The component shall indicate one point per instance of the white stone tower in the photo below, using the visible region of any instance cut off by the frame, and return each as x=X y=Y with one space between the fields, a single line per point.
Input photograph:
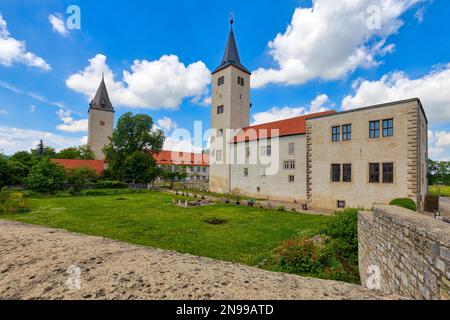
x=230 y=110
x=101 y=121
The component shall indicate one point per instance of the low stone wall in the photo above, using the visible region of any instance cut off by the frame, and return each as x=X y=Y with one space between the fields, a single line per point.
x=404 y=252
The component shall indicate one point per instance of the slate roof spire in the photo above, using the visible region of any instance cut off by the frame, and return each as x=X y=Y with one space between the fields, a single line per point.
x=101 y=100
x=231 y=56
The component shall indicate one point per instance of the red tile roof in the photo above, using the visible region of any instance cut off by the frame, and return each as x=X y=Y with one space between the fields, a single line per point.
x=287 y=127
x=97 y=165
x=182 y=158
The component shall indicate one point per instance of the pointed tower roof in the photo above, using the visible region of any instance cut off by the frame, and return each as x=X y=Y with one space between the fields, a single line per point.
x=101 y=100
x=231 y=56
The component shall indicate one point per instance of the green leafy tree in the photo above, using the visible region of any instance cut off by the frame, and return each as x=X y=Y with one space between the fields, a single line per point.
x=134 y=140
x=26 y=158
x=5 y=175
x=17 y=171
x=439 y=172
x=78 y=153
x=46 y=177
x=43 y=151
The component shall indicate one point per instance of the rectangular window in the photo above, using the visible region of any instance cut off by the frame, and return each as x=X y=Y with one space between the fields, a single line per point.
x=291 y=179
x=374 y=130
x=266 y=150
x=374 y=173
x=199 y=169
x=245 y=172
x=103 y=123
x=219 y=155
x=241 y=81
x=336 y=134
x=247 y=152
x=341 y=204
x=289 y=165
x=336 y=173
x=220 y=109
x=347 y=132
x=263 y=171
x=347 y=173
x=221 y=81
x=388 y=173
x=291 y=149
x=388 y=128
x=204 y=169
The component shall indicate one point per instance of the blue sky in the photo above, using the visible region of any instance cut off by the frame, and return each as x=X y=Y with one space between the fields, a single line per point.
x=304 y=57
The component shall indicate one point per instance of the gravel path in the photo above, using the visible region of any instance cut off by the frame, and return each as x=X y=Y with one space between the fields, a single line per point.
x=34 y=264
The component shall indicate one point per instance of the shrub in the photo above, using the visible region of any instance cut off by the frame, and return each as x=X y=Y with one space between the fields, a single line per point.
x=12 y=202
x=110 y=185
x=404 y=203
x=281 y=208
x=46 y=177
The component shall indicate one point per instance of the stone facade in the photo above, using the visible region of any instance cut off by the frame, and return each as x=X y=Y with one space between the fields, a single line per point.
x=408 y=252
x=100 y=128
x=406 y=149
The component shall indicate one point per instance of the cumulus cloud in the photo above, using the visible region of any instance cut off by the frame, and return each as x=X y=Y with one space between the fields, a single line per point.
x=166 y=124
x=157 y=84
x=332 y=39
x=14 y=51
x=432 y=89
x=15 y=139
x=58 y=24
x=70 y=124
x=439 y=145
x=276 y=113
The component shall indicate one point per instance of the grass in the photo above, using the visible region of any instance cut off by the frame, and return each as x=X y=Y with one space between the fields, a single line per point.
x=250 y=236
x=445 y=191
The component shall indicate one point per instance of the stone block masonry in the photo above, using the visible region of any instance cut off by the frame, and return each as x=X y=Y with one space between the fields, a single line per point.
x=404 y=252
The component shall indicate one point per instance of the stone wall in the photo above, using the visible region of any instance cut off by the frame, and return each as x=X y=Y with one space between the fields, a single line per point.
x=404 y=252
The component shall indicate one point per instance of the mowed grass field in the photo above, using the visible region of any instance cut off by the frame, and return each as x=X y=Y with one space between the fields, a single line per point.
x=250 y=236
x=445 y=191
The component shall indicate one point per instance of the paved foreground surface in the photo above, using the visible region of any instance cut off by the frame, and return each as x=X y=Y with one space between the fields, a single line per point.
x=34 y=264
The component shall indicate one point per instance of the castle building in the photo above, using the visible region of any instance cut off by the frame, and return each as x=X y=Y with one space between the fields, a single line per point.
x=328 y=160
x=101 y=121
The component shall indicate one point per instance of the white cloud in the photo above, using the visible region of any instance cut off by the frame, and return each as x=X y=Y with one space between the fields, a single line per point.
x=14 y=51
x=3 y=112
x=157 y=84
x=276 y=113
x=166 y=124
x=174 y=144
x=432 y=89
x=330 y=40
x=70 y=124
x=32 y=108
x=420 y=13
x=58 y=24
x=15 y=139
x=439 y=145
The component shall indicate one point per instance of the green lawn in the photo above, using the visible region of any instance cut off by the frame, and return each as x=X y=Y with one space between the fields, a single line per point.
x=445 y=191
x=149 y=218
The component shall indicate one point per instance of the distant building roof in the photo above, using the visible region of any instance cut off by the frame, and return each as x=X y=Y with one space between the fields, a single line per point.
x=182 y=158
x=231 y=56
x=287 y=127
x=97 y=165
x=101 y=100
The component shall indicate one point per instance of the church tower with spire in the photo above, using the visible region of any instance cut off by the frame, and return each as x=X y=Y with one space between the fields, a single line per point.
x=101 y=121
x=230 y=110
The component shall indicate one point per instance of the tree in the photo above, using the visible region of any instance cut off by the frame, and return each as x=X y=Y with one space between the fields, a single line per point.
x=78 y=153
x=132 y=144
x=439 y=172
x=43 y=151
x=46 y=177
x=81 y=176
x=5 y=175
x=18 y=172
